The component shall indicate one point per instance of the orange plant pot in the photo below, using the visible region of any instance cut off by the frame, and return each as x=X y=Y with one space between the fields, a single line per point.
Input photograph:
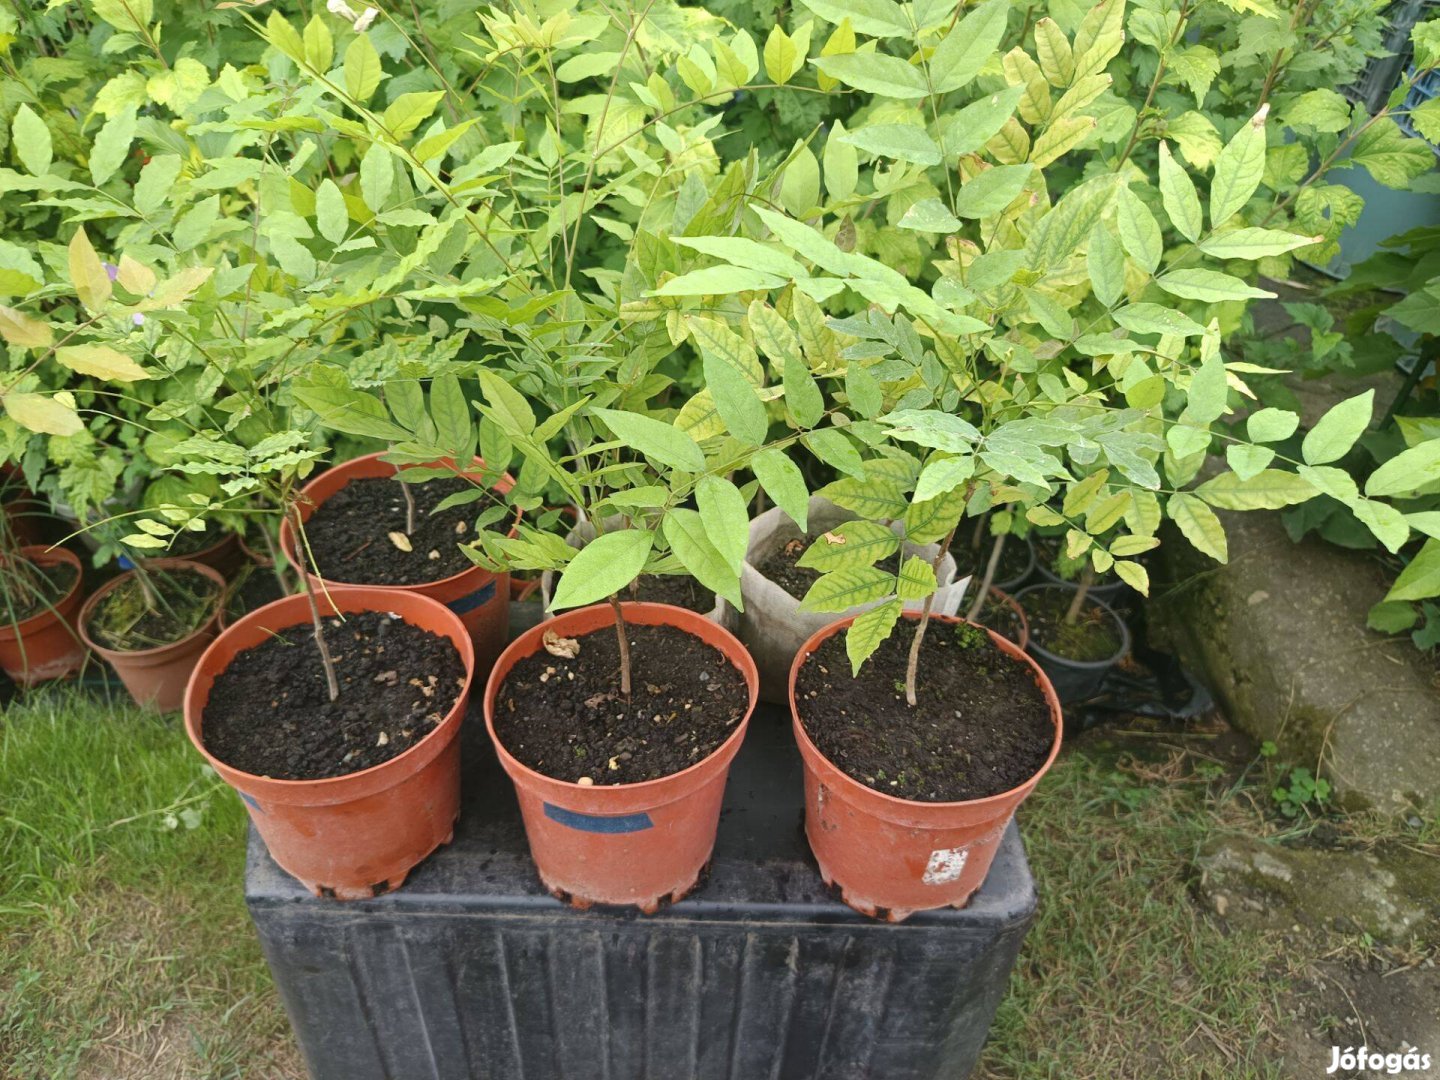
x=156 y=677
x=629 y=844
x=45 y=646
x=892 y=857
x=355 y=836
x=480 y=598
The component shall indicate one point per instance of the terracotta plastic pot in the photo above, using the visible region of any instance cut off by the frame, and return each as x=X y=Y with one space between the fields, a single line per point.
x=356 y=836
x=892 y=857
x=631 y=844
x=1077 y=680
x=156 y=677
x=480 y=598
x=45 y=646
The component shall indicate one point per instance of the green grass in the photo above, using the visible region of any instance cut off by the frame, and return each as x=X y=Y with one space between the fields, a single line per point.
x=125 y=949
x=1122 y=975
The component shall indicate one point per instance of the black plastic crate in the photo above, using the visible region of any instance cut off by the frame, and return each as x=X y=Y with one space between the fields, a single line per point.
x=472 y=970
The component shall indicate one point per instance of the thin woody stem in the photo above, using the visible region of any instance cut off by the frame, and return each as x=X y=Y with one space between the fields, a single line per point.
x=913 y=665
x=624 y=639
x=984 y=592
x=409 y=508
x=1087 y=578
x=302 y=567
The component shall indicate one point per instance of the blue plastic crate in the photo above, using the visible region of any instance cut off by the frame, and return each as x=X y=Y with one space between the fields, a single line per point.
x=1426 y=88
x=1382 y=74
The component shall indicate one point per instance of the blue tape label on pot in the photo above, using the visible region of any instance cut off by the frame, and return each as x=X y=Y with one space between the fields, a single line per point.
x=479 y=598
x=249 y=800
x=597 y=823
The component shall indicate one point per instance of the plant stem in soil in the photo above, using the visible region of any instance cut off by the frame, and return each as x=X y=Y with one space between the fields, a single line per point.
x=913 y=664
x=332 y=683
x=984 y=591
x=1087 y=578
x=409 y=508
x=624 y=639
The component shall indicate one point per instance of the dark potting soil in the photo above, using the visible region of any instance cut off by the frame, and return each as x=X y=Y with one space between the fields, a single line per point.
x=40 y=588
x=126 y=619
x=1091 y=637
x=1014 y=559
x=782 y=567
x=566 y=718
x=1000 y=617
x=270 y=712
x=981 y=726
x=254 y=586
x=350 y=533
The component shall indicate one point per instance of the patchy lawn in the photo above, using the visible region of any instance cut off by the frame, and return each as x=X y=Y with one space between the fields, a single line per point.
x=126 y=952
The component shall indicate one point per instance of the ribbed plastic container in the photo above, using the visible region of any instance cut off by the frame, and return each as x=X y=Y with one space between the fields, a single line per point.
x=473 y=970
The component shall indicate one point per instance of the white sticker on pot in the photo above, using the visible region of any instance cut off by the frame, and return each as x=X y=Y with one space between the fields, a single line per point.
x=946 y=864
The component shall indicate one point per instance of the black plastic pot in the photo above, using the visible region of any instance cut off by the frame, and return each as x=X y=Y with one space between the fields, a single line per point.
x=474 y=970
x=1107 y=589
x=1074 y=680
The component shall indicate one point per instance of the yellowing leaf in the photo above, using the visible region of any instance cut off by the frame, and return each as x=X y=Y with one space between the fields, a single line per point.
x=87 y=273
x=100 y=361
x=43 y=414
x=17 y=328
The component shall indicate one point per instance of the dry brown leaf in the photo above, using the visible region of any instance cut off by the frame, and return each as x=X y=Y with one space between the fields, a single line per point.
x=401 y=541
x=555 y=645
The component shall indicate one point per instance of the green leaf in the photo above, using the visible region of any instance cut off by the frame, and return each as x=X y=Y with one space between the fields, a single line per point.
x=930 y=521
x=1238 y=171
x=1248 y=461
x=409 y=111
x=1157 y=319
x=1336 y=432
x=43 y=413
x=686 y=533
x=603 y=567
x=782 y=56
x=1269 y=489
x=736 y=401
x=1105 y=263
x=855 y=543
x=1389 y=156
x=330 y=213
x=1254 y=243
x=863 y=391
x=377 y=177
x=991 y=191
x=451 y=412
x=963 y=52
x=1139 y=231
x=876 y=73
x=1199 y=525
x=1177 y=193
x=943 y=475
x=802 y=393
x=784 y=483
x=1209 y=286
x=1134 y=575
x=929 y=215
x=1271 y=425
x=876 y=18
x=916 y=580
x=285 y=37
x=31 y=139
x=718 y=281
x=1407 y=472
x=508 y=406
x=1420 y=580
x=841 y=590
x=970 y=128
x=835 y=450
x=869 y=631
x=112 y=144
x=1392 y=616
x=726 y=518
x=362 y=69
x=903 y=142
x=842 y=164
x=194 y=226
x=353 y=412
x=656 y=439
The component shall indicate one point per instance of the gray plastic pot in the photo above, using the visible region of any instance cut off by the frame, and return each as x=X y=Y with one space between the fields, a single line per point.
x=773 y=627
x=1074 y=680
